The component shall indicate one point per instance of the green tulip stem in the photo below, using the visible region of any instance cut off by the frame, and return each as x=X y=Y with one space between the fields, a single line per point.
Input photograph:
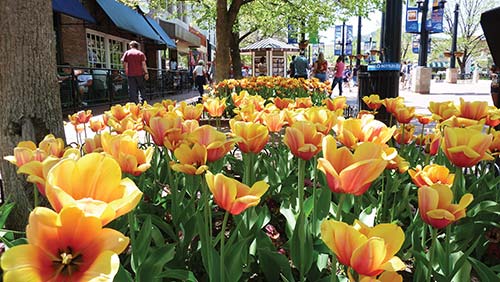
x=315 y=161
x=222 y=239
x=432 y=251
x=35 y=196
x=338 y=216
x=422 y=143
x=85 y=130
x=447 y=269
x=131 y=224
x=300 y=188
x=218 y=123
x=458 y=183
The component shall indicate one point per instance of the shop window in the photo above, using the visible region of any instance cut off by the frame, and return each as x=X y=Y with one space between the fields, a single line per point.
x=104 y=51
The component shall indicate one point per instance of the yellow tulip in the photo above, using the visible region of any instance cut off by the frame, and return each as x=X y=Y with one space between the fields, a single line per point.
x=124 y=149
x=369 y=251
x=465 y=147
x=191 y=160
x=431 y=174
x=303 y=140
x=232 y=195
x=94 y=184
x=251 y=137
x=475 y=110
x=69 y=246
x=443 y=110
x=215 y=107
x=351 y=173
x=216 y=142
x=435 y=207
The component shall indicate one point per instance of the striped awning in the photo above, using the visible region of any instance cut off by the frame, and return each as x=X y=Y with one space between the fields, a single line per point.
x=269 y=44
x=438 y=65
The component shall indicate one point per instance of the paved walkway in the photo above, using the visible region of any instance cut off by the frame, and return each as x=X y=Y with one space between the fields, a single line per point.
x=440 y=91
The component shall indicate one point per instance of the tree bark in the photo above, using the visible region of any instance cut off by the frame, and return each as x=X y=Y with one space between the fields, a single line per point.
x=224 y=26
x=235 y=54
x=29 y=93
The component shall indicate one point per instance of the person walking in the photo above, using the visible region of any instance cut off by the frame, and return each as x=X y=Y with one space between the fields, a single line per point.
x=320 y=67
x=134 y=62
x=262 y=66
x=339 y=73
x=301 y=65
x=200 y=76
x=291 y=67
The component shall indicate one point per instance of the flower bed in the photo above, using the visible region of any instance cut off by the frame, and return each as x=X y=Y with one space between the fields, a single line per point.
x=292 y=191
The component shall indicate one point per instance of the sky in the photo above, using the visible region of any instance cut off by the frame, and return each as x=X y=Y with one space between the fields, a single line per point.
x=368 y=26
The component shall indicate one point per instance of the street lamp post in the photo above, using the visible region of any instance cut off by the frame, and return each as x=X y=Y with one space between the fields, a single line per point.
x=424 y=33
x=454 y=39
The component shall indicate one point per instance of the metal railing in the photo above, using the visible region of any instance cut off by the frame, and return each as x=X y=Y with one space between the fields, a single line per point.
x=109 y=86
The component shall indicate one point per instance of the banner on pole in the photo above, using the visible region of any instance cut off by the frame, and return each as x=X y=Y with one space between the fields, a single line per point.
x=338 y=40
x=292 y=34
x=412 y=25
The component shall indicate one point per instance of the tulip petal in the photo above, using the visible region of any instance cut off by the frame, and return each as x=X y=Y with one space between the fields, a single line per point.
x=368 y=258
x=392 y=265
x=104 y=268
x=393 y=236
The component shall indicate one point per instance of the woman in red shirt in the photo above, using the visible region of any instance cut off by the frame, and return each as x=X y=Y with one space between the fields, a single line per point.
x=320 y=67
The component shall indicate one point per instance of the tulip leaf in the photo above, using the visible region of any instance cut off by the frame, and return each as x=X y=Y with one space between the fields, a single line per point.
x=179 y=274
x=486 y=206
x=301 y=246
x=123 y=275
x=274 y=264
x=324 y=203
x=287 y=211
x=140 y=247
x=483 y=271
x=154 y=263
x=462 y=268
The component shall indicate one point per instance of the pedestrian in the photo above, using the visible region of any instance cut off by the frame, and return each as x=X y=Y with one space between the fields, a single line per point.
x=134 y=62
x=355 y=76
x=402 y=73
x=320 y=67
x=339 y=72
x=495 y=85
x=200 y=76
x=301 y=65
x=291 y=68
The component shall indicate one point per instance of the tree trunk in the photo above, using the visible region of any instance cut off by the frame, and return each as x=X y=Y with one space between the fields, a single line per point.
x=235 y=54
x=29 y=93
x=223 y=33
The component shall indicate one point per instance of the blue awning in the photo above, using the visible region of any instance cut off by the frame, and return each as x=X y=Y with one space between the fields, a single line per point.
x=72 y=8
x=128 y=19
x=170 y=43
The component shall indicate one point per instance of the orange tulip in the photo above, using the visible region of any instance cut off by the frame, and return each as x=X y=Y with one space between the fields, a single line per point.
x=215 y=141
x=238 y=98
x=465 y=147
x=324 y=119
x=190 y=160
x=455 y=121
x=431 y=174
x=393 y=104
x=336 y=104
x=274 y=120
x=303 y=102
x=92 y=145
x=373 y=101
x=118 y=112
x=351 y=173
x=37 y=171
x=124 y=149
x=69 y=246
x=404 y=114
x=94 y=184
x=303 y=140
x=251 y=137
x=232 y=195
x=493 y=117
x=475 y=110
x=160 y=127
x=351 y=132
x=80 y=117
x=52 y=145
x=423 y=119
x=369 y=251
x=97 y=125
x=189 y=111
x=282 y=103
x=386 y=276
x=495 y=144
x=215 y=107
x=407 y=137
x=443 y=110
x=435 y=207
x=25 y=152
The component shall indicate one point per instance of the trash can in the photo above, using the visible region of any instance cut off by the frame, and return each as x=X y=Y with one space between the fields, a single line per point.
x=381 y=79
x=363 y=87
